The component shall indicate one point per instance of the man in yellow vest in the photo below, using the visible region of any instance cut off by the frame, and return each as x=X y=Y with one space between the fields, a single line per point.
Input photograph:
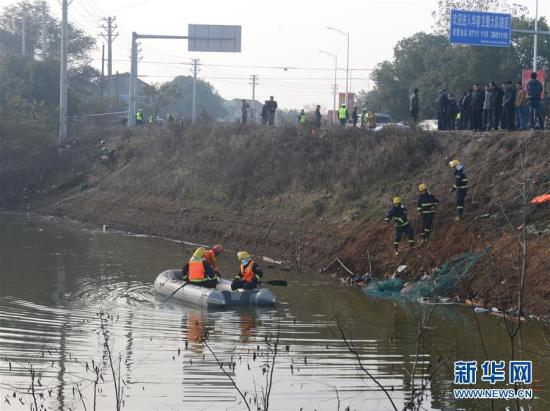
x=198 y=272
x=139 y=117
x=343 y=115
x=302 y=118
x=250 y=273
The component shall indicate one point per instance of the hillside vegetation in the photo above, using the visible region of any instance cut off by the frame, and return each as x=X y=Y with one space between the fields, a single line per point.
x=291 y=196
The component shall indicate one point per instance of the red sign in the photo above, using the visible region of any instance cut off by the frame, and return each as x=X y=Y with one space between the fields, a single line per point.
x=526 y=76
x=350 y=100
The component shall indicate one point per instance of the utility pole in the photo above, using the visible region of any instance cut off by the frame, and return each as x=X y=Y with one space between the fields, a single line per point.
x=334 y=111
x=347 y=70
x=132 y=83
x=102 y=69
x=110 y=36
x=63 y=73
x=536 y=40
x=117 y=91
x=346 y=35
x=24 y=31
x=44 y=32
x=195 y=69
x=254 y=83
x=335 y=85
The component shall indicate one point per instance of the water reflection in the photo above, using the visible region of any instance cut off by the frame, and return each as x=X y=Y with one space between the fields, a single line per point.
x=56 y=279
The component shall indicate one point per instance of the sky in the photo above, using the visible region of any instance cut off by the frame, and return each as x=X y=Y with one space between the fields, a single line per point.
x=275 y=34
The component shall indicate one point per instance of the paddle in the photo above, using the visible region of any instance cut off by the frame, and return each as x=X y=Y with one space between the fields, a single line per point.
x=239 y=283
x=171 y=295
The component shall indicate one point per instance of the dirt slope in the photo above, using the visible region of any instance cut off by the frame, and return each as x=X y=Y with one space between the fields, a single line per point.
x=291 y=196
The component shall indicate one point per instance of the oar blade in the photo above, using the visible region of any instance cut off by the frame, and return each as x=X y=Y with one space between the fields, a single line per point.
x=279 y=283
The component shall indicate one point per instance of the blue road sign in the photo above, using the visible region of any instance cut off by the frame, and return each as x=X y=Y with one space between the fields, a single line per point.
x=480 y=29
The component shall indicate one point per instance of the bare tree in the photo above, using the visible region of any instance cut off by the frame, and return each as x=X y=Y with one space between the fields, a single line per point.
x=352 y=350
x=116 y=380
x=227 y=374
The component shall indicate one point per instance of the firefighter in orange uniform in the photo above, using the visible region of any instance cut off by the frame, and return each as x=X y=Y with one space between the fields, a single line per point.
x=250 y=273
x=210 y=256
x=198 y=272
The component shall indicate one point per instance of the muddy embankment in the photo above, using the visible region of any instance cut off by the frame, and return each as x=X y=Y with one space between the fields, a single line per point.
x=285 y=194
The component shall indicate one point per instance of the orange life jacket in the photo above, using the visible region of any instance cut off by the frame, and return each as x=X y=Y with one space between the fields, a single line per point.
x=196 y=269
x=247 y=273
x=210 y=256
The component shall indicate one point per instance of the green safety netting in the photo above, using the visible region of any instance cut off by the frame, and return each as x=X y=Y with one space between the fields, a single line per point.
x=440 y=284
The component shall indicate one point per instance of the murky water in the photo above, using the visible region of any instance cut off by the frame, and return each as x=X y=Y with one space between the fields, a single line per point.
x=56 y=278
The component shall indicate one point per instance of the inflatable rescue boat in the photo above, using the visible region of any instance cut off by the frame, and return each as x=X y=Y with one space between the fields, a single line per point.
x=222 y=296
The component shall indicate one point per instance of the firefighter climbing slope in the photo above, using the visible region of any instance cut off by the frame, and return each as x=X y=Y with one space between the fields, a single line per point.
x=460 y=186
x=402 y=226
x=426 y=206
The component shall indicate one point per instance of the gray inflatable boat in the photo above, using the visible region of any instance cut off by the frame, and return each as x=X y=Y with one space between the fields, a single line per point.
x=222 y=296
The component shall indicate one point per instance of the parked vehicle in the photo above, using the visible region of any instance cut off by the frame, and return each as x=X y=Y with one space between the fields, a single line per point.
x=385 y=126
x=382 y=118
x=428 y=125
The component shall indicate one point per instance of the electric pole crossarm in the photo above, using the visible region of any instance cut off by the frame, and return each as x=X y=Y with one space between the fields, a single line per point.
x=160 y=36
x=539 y=32
x=168 y=37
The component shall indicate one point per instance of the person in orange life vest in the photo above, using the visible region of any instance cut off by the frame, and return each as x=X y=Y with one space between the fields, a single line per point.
x=210 y=256
x=198 y=272
x=250 y=273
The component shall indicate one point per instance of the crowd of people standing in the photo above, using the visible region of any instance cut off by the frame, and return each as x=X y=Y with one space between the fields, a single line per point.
x=507 y=107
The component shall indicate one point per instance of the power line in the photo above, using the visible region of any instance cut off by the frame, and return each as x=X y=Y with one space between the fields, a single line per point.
x=128 y=6
x=246 y=79
x=252 y=66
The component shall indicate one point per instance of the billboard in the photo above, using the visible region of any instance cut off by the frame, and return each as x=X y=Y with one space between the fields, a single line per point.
x=214 y=38
x=526 y=76
x=480 y=28
x=349 y=102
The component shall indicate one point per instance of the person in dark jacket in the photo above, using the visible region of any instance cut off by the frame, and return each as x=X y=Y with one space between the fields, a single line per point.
x=477 y=108
x=534 y=92
x=452 y=112
x=508 y=104
x=265 y=114
x=402 y=226
x=466 y=111
x=426 y=206
x=317 y=117
x=499 y=95
x=271 y=109
x=414 y=108
x=488 y=108
x=442 y=110
x=244 y=112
